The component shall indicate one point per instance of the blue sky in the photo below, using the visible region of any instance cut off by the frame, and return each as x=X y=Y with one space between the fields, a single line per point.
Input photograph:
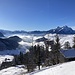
x=31 y=15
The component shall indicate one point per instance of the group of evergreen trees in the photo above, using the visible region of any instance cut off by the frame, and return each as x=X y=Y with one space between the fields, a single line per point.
x=35 y=57
x=67 y=44
x=41 y=56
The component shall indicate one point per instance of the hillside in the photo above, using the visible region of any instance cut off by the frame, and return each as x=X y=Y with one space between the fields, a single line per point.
x=16 y=70
x=9 y=43
x=61 y=69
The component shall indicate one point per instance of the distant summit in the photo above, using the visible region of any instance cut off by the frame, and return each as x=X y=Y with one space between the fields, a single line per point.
x=62 y=30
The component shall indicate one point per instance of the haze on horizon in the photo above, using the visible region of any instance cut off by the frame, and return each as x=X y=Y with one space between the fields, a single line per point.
x=40 y=15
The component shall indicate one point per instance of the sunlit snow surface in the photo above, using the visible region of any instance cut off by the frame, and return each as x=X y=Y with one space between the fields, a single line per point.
x=13 y=71
x=60 y=69
x=63 y=69
x=3 y=57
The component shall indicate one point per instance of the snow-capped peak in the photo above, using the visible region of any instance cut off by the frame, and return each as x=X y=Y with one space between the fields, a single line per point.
x=63 y=30
x=64 y=27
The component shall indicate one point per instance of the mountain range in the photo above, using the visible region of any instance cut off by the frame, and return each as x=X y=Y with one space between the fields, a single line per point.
x=59 y=30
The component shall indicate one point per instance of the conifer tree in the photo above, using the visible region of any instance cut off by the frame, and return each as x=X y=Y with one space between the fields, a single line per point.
x=74 y=42
x=21 y=57
x=38 y=57
x=67 y=45
x=57 y=48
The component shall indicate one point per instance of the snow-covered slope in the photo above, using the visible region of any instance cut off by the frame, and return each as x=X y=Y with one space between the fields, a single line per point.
x=3 y=57
x=63 y=69
x=60 y=69
x=13 y=71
